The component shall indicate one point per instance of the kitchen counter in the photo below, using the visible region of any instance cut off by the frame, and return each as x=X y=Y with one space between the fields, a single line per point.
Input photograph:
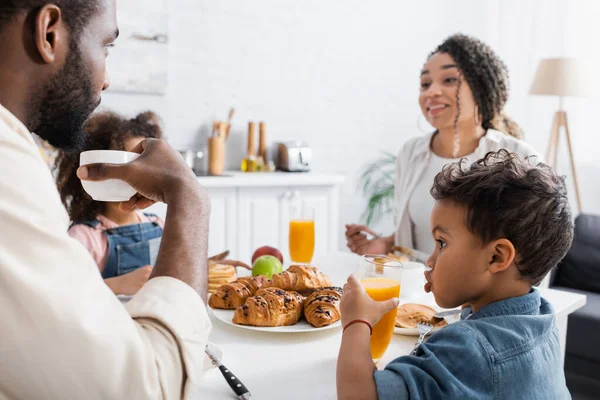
x=250 y=210
x=269 y=179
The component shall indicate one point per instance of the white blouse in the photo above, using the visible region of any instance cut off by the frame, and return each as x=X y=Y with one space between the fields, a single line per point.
x=413 y=182
x=421 y=203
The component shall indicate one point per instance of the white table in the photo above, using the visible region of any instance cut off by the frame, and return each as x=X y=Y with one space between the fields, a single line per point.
x=302 y=365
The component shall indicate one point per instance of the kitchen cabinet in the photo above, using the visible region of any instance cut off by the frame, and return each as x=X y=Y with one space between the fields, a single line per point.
x=252 y=210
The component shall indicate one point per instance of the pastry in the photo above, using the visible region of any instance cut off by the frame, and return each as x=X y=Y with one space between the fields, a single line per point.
x=409 y=314
x=231 y=295
x=299 y=278
x=220 y=274
x=270 y=307
x=322 y=307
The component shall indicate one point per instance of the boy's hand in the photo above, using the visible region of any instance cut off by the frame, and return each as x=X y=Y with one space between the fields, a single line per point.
x=356 y=304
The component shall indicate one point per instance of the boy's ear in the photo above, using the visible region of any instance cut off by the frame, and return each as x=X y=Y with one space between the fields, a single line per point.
x=502 y=254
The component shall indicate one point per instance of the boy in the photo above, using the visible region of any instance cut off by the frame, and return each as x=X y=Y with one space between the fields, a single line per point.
x=500 y=226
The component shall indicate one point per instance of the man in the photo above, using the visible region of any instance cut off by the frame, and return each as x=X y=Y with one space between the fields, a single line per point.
x=63 y=334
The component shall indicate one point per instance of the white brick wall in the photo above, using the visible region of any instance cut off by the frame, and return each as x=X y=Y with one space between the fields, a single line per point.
x=341 y=75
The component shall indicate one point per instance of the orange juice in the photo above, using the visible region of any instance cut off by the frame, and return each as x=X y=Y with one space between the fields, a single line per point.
x=382 y=289
x=302 y=240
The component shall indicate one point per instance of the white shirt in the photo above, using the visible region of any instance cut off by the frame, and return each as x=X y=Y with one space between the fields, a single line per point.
x=63 y=333
x=421 y=203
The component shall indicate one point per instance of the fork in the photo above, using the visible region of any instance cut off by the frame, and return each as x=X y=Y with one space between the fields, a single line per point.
x=423 y=329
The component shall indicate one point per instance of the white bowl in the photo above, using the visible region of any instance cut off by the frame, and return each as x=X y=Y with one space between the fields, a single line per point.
x=110 y=189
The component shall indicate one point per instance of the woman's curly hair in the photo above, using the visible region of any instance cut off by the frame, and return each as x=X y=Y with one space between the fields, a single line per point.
x=104 y=131
x=487 y=76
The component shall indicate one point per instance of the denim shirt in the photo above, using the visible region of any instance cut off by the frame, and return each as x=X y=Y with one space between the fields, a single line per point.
x=507 y=350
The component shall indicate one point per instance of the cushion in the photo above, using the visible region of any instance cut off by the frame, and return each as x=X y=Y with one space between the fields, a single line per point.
x=583 y=328
x=580 y=269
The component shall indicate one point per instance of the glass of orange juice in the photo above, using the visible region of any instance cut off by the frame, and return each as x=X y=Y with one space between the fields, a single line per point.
x=302 y=235
x=381 y=276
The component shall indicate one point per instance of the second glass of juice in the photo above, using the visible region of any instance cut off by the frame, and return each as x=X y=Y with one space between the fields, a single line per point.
x=302 y=236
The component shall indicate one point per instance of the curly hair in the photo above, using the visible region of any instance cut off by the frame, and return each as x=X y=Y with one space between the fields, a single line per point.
x=508 y=197
x=104 y=131
x=487 y=76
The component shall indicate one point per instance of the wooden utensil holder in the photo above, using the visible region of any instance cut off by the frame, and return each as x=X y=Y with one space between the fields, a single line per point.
x=216 y=155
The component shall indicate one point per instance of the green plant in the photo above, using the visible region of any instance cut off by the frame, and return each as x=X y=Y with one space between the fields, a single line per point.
x=377 y=183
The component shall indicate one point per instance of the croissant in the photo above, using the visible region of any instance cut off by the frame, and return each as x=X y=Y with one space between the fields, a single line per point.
x=299 y=278
x=322 y=307
x=270 y=307
x=231 y=295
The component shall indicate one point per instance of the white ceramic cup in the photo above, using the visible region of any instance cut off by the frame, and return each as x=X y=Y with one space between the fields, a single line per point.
x=110 y=190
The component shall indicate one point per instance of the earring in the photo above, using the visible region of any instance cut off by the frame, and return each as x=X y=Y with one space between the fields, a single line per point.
x=419 y=124
x=455 y=144
x=477 y=116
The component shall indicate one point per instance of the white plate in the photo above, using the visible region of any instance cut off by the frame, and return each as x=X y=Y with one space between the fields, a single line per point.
x=300 y=327
x=217 y=352
x=415 y=332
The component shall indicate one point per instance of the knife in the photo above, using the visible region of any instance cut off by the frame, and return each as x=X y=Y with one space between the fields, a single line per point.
x=235 y=384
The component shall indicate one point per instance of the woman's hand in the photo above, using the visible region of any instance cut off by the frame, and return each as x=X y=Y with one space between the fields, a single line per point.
x=358 y=243
x=356 y=304
x=130 y=283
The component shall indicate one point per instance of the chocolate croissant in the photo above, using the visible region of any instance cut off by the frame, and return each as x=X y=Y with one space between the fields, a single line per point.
x=270 y=307
x=322 y=307
x=299 y=278
x=231 y=295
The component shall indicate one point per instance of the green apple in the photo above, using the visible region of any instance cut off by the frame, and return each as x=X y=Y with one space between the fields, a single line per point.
x=267 y=266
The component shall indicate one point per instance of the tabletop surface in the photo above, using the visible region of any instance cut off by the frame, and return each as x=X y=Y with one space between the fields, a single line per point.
x=303 y=365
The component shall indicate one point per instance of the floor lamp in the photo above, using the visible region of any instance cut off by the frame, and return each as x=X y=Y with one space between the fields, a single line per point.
x=560 y=77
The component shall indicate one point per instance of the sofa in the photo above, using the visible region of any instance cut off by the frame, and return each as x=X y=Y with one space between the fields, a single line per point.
x=579 y=272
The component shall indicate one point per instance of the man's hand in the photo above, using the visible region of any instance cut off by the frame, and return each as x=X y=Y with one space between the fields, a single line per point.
x=161 y=174
x=356 y=304
x=158 y=174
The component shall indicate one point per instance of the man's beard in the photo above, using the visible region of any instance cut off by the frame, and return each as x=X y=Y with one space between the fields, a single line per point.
x=63 y=104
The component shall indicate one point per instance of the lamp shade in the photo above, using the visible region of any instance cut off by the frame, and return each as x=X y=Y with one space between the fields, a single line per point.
x=563 y=77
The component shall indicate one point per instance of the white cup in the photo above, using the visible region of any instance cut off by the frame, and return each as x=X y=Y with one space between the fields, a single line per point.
x=111 y=189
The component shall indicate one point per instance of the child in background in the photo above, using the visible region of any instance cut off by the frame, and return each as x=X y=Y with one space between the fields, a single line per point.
x=124 y=244
x=500 y=226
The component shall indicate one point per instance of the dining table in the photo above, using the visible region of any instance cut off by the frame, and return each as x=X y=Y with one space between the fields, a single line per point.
x=302 y=365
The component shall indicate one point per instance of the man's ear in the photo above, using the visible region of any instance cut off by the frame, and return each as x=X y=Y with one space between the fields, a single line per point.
x=501 y=255
x=49 y=32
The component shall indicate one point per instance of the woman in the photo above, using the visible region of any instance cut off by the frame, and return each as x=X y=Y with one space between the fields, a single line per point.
x=464 y=86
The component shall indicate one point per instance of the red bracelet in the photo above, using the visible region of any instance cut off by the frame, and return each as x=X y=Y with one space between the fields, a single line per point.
x=362 y=321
